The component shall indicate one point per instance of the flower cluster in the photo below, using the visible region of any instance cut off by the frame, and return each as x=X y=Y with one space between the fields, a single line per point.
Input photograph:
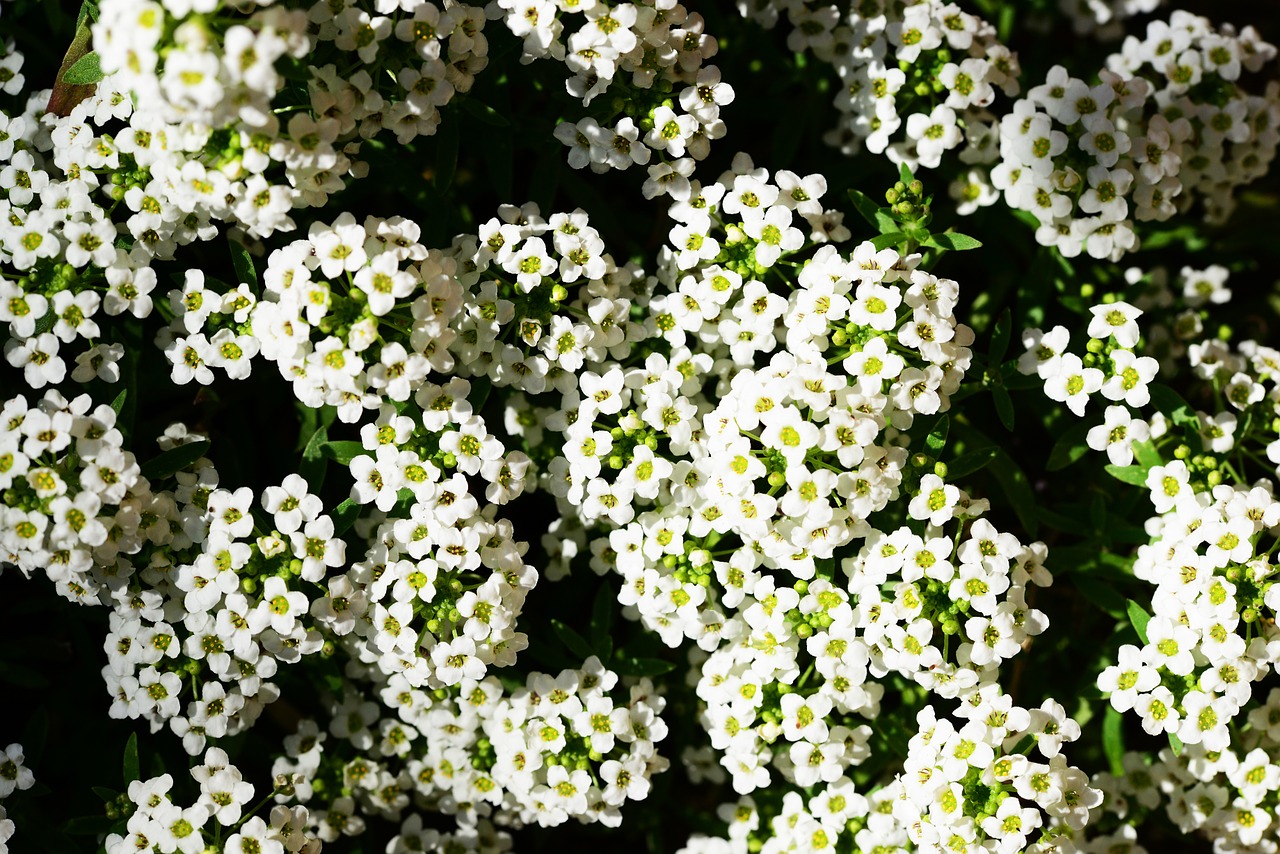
x=1111 y=366
x=1219 y=135
x=928 y=69
x=650 y=56
x=1211 y=633
x=739 y=520
x=74 y=503
x=1165 y=127
x=156 y=822
x=572 y=745
x=14 y=776
x=1105 y=18
x=968 y=781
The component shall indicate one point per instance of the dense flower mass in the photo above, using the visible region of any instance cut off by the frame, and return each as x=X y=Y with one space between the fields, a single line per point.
x=441 y=482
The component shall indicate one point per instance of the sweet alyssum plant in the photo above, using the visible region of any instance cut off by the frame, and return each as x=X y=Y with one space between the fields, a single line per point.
x=444 y=450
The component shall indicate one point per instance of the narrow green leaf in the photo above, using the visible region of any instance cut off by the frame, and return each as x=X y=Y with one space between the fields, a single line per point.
x=937 y=438
x=86 y=70
x=1113 y=739
x=1176 y=744
x=1013 y=481
x=67 y=94
x=643 y=666
x=954 y=241
x=1000 y=337
x=107 y=795
x=1004 y=406
x=45 y=323
x=485 y=113
x=1070 y=447
x=575 y=642
x=118 y=403
x=343 y=452
x=602 y=613
x=904 y=173
x=314 y=465
x=1136 y=475
x=1147 y=455
x=1139 y=617
x=884 y=241
x=88 y=825
x=864 y=206
x=446 y=155
x=1101 y=594
x=242 y=261
x=967 y=464
x=174 y=460
x=131 y=759
x=344 y=516
x=1167 y=400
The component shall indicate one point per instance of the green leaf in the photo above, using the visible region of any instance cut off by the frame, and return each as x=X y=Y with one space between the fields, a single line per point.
x=479 y=393
x=1000 y=337
x=1147 y=455
x=174 y=460
x=904 y=174
x=242 y=261
x=88 y=825
x=937 y=438
x=602 y=617
x=446 y=155
x=344 y=516
x=1176 y=744
x=1013 y=481
x=863 y=205
x=1004 y=406
x=1070 y=447
x=967 y=464
x=1100 y=593
x=485 y=113
x=88 y=12
x=1113 y=739
x=118 y=403
x=575 y=642
x=1139 y=617
x=313 y=465
x=1136 y=475
x=45 y=323
x=1167 y=400
x=884 y=241
x=643 y=666
x=107 y=795
x=343 y=452
x=86 y=70
x=131 y=759
x=953 y=241
x=67 y=94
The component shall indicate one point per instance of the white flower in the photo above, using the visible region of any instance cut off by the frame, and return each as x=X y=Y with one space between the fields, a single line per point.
x=1117 y=435
x=13 y=774
x=1119 y=319
x=1072 y=383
